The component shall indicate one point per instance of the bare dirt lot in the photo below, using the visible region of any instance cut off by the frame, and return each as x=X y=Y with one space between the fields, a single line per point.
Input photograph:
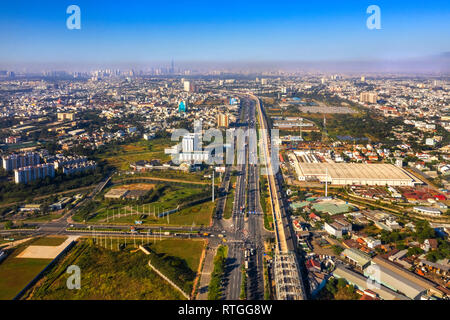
x=136 y=186
x=45 y=252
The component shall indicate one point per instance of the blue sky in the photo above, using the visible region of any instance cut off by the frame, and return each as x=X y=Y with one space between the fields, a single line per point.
x=140 y=31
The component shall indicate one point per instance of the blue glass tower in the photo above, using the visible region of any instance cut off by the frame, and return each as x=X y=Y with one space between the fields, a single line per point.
x=182 y=106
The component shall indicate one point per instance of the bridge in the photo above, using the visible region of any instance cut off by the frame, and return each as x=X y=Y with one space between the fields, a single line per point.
x=288 y=280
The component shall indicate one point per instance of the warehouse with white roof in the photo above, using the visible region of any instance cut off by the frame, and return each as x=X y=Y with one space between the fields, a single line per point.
x=378 y=174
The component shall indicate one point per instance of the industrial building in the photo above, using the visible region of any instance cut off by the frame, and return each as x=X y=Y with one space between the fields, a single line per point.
x=362 y=283
x=356 y=257
x=354 y=174
x=397 y=278
x=429 y=211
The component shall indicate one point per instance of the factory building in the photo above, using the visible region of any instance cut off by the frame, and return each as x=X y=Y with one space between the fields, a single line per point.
x=362 y=283
x=399 y=279
x=354 y=174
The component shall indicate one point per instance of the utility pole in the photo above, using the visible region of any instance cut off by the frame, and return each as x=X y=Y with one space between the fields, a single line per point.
x=326 y=182
x=213 y=186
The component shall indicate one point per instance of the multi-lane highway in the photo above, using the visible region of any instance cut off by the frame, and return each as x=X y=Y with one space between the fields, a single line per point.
x=235 y=243
x=247 y=236
x=255 y=224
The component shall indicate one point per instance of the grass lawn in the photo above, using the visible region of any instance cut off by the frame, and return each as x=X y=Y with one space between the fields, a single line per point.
x=228 y=211
x=16 y=273
x=189 y=250
x=177 y=175
x=172 y=197
x=199 y=214
x=117 y=275
x=49 y=241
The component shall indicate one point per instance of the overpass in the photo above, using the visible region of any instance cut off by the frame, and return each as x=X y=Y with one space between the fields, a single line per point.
x=289 y=283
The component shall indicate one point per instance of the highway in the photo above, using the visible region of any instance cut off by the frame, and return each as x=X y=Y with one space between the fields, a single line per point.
x=255 y=217
x=235 y=256
x=248 y=231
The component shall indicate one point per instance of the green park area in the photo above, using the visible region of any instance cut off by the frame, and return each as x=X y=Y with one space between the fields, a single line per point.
x=123 y=273
x=16 y=273
x=163 y=198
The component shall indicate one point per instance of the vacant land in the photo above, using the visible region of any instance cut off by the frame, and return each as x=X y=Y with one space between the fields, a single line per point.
x=49 y=241
x=199 y=214
x=16 y=273
x=141 y=150
x=123 y=274
x=189 y=250
x=169 y=198
x=166 y=175
x=136 y=186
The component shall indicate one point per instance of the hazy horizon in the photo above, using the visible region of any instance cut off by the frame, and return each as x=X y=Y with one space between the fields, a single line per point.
x=438 y=64
x=327 y=36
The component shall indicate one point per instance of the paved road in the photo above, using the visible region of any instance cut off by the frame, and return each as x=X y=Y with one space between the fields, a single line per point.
x=236 y=233
x=255 y=219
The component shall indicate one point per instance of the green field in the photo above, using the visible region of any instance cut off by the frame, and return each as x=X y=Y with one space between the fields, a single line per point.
x=116 y=275
x=16 y=273
x=172 y=196
x=141 y=150
x=199 y=214
x=186 y=177
x=189 y=250
x=49 y=241
x=228 y=211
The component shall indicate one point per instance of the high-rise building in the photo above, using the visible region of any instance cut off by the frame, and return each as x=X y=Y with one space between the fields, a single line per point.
x=172 y=67
x=31 y=173
x=369 y=97
x=190 y=143
x=182 y=107
x=189 y=86
x=222 y=120
x=15 y=161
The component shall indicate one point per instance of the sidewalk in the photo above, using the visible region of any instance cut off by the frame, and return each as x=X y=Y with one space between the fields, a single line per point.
x=205 y=276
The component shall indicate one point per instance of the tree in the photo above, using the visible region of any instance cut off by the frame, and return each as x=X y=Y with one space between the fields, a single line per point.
x=424 y=231
x=337 y=249
x=8 y=224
